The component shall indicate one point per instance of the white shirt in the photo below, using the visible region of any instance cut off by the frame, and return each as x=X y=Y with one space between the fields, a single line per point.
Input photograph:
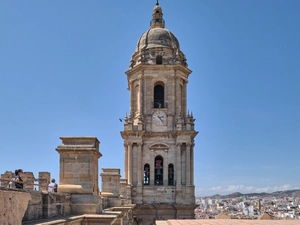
x=51 y=187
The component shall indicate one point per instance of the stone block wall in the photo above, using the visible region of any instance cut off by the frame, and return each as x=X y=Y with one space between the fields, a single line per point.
x=13 y=205
x=46 y=205
x=27 y=205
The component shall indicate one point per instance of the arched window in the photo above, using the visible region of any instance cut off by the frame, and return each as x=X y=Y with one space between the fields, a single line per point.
x=146 y=174
x=158 y=165
x=158 y=57
x=171 y=174
x=159 y=96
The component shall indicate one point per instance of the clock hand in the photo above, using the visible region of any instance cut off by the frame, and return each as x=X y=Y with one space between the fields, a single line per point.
x=160 y=119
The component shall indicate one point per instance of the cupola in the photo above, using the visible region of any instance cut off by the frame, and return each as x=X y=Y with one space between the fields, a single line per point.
x=158 y=45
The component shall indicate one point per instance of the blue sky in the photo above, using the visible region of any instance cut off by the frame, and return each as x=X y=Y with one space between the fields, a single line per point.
x=62 y=67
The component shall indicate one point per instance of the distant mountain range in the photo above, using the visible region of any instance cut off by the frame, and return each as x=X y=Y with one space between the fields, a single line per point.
x=279 y=194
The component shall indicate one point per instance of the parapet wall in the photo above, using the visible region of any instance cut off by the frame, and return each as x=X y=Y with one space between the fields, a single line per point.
x=25 y=205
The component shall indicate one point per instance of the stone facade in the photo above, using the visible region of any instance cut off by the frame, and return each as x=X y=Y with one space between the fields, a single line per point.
x=159 y=131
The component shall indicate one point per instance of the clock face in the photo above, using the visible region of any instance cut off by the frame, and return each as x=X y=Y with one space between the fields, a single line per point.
x=159 y=117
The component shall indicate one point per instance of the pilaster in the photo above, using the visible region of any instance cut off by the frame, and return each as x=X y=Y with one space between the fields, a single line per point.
x=178 y=164
x=129 y=176
x=188 y=164
x=125 y=161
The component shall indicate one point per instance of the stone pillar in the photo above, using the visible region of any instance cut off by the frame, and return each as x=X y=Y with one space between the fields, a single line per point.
x=178 y=94
x=29 y=181
x=192 y=163
x=129 y=176
x=79 y=173
x=188 y=164
x=7 y=176
x=178 y=164
x=184 y=94
x=123 y=188
x=152 y=168
x=79 y=165
x=175 y=93
x=139 y=174
x=142 y=93
x=44 y=180
x=125 y=161
x=165 y=169
x=132 y=103
x=110 y=182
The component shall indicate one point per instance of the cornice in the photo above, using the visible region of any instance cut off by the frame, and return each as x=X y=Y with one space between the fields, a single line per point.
x=146 y=134
x=158 y=67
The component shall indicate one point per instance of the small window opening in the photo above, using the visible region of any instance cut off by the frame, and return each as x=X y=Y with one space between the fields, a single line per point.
x=159 y=96
x=146 y=174
x=171 y=174
x=158 y=57
x=158 y=163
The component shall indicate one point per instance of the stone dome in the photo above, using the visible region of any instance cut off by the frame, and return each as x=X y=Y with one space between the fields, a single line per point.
x=156 y=38
x=157 y=45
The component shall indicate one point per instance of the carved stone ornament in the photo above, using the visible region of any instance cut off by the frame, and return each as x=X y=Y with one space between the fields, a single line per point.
x=159 y=146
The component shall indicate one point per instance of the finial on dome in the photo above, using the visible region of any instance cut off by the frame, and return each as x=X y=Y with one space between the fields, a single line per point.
x=157 y=17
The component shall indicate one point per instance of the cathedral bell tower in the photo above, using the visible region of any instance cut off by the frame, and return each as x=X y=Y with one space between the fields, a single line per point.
x=159 y=131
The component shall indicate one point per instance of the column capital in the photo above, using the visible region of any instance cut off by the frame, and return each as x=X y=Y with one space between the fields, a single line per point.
x=139 y=143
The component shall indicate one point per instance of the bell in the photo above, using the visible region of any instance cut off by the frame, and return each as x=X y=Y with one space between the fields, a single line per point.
x=158 y=172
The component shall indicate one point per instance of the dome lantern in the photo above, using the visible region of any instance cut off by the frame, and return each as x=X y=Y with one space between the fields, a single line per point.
x=157 y=17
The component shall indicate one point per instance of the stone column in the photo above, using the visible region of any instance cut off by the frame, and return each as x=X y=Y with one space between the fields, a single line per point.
x=178 y=164
x=129 y=176
x=125 y=161
x=184 y=97
x=152 y=170
x=188 y=164
x=178 y=96
x=139 y=173
x=165 y=168
x=175 y=93
x=192 y=163
x=132 y=109
x=142 y=93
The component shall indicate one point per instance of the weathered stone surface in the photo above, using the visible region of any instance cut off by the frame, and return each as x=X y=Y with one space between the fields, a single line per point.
x=13 y=205
x=110 y=182
x=44 y=180
x=47 y=205
x=85 y=204
x=79 y=165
